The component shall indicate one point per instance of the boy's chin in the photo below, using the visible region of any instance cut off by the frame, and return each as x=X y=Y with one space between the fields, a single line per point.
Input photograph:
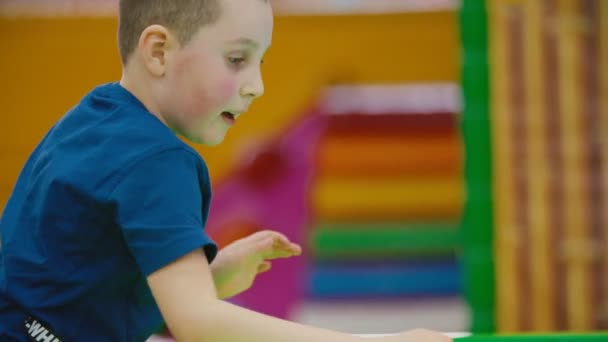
x=208 y=141
x=211 y=143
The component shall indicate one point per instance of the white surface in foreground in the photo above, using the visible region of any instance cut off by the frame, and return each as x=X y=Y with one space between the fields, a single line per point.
x=367 y=318
x=452 y=335
x=370 y=317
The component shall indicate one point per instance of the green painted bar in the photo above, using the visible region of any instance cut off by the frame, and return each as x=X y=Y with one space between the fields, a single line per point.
x=477 y=227
x=335 y=241
x=569 y=337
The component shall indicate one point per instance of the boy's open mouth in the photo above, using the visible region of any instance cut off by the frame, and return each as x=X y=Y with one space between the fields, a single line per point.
x=229 y=118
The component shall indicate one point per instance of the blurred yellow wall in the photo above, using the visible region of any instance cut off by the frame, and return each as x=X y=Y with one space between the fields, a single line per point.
x=49 y=64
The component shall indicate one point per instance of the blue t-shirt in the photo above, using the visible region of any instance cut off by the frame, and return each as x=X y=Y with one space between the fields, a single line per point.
x=108 y=197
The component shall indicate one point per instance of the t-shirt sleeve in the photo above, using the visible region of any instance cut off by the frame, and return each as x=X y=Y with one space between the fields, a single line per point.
x=159 y=208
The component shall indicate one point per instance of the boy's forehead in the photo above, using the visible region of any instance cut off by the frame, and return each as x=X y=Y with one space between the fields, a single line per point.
x=243 y=7
x=250 y=24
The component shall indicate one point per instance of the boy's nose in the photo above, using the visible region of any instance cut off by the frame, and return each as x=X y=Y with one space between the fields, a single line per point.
x=253 y=87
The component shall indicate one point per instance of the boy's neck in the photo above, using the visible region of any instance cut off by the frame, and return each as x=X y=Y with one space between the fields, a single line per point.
x=142 y=93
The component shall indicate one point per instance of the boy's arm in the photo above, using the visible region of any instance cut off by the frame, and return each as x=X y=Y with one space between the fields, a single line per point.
x=188 y=300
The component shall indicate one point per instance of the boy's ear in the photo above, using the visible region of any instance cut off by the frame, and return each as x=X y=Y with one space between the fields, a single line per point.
x=154 y=44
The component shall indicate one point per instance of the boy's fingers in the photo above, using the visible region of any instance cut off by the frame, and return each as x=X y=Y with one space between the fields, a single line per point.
x=274 y=247
x=283 y=244
x=279 y=239
x=295 y=248
x=261 y=235
x=267 y=248
x=282 y=241
x=265 y=234
x=286 y=244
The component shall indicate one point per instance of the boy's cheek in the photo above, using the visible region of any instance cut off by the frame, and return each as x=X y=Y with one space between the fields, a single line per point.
x=215 y=97
x=228 y=90
x=216 y=88
x=203 y=89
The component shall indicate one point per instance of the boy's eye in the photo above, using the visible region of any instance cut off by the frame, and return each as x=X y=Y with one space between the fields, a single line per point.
x=236 y=61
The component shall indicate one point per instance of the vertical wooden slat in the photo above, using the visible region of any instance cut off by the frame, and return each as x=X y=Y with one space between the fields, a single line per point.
x=576 y=220
x=602 y=41
x=592 y=134
x=555 y=158
x=507 y=292
x=519 y=97
x=541 y=272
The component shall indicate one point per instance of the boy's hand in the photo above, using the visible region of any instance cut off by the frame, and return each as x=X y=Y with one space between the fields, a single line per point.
x=236 y=265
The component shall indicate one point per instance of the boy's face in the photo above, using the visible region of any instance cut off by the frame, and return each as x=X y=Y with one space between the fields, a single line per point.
x=217 y=75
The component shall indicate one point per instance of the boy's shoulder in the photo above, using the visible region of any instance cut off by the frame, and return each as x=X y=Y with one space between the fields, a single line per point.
x=112 y=110
x=110 y=116
x=106 y=134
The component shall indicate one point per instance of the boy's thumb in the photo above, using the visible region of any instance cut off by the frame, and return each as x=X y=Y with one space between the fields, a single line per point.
x=264 y=267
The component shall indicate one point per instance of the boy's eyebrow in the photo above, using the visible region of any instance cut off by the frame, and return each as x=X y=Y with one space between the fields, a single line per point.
x=245 y=41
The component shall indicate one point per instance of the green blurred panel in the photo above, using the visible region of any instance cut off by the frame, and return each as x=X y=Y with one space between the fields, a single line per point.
x=334 y=241
x=593 y=337
x=478 y=221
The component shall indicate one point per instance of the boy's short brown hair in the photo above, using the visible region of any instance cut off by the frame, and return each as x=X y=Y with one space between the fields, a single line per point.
x=183 y=17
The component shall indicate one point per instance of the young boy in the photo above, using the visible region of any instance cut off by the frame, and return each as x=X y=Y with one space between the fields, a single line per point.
x=102 y=238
